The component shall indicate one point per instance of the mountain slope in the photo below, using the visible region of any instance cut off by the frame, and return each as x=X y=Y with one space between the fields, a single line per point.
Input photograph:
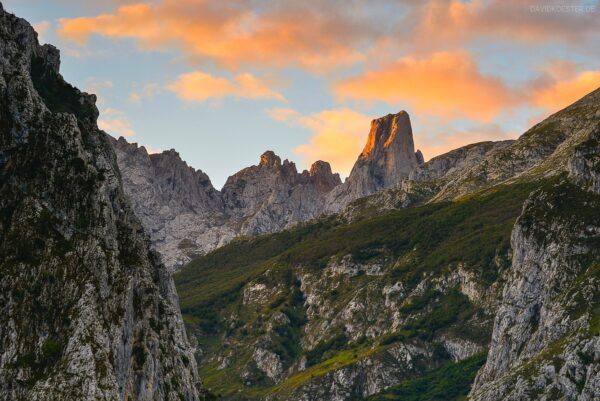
x=499 y=259
x=368 y=296
x=87 y=312
x=544 y=150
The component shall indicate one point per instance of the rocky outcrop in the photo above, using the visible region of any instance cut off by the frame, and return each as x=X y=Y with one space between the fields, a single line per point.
x=545 y=341
x=181 y=210
x=87 y=312
x=584 y=164
x=273 y=195
x=388 y=157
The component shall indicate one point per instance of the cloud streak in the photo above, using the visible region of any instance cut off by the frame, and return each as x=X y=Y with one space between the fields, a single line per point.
x=562 y=83
x=455 y=22
x=448 y=84
x=232 y=34
x=199 y=86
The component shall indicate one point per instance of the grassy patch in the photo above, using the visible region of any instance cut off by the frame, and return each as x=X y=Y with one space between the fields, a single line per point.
x=338 y=361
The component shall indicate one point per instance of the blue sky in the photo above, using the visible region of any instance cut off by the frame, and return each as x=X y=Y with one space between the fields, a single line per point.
x=221 y=82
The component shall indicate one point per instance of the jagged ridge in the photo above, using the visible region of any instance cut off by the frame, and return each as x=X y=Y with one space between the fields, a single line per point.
x=186 y=216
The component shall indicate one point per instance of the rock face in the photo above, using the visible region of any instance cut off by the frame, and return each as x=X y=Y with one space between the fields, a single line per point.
x=177 y=205
x=273 y=195
x=388 y=157
x=87 y=312
x=186 y=216
x=545 y=341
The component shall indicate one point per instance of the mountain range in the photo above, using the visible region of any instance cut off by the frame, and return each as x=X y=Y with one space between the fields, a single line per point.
x=128 y=276
x=186 y=216
x=476 y=276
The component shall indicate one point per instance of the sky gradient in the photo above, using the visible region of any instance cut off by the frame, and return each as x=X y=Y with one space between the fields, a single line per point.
x=223 y=81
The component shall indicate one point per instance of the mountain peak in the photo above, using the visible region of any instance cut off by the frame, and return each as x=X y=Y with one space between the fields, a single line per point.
x=390 y=151
x=320 y=167
x=269 y=159
x=322 y=176
x=387 y=158
x=420 y=157
x=388 y=130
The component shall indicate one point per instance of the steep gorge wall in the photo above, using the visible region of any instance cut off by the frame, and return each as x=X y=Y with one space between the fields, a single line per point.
x=87 y=311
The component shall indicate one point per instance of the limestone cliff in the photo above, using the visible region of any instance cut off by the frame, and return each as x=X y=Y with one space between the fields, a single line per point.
x=87 y=312
x=177 y=205
x=545 y=342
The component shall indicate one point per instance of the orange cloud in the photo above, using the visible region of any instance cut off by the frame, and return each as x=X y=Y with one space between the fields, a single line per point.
x=455 y=21
x=231 y=33
x=338 y=136
x=283 y=114
x=561 y=93
x=251 y=87
x=199 y=86
x=448 y=84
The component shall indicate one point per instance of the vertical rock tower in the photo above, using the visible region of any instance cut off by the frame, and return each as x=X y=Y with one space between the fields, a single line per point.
x=388 y=157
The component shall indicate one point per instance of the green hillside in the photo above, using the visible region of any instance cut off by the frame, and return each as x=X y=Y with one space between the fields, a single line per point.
x=413 y=244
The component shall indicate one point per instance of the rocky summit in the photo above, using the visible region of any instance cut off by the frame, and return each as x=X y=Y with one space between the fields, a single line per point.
x=187 y=217
x=388 y=157
x=87 y=311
